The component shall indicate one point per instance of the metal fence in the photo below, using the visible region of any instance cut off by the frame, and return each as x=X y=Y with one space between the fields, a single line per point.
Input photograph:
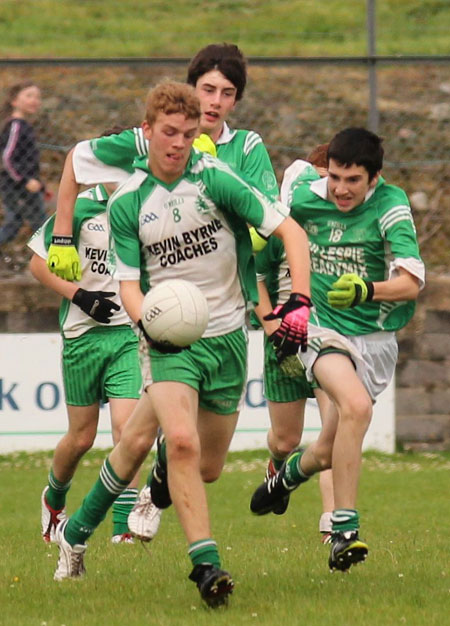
x=294 y=104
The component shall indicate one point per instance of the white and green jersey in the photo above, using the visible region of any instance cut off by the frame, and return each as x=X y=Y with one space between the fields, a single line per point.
x=91 y=238
x=194 y=229
x=374 y=241
x=110 y=159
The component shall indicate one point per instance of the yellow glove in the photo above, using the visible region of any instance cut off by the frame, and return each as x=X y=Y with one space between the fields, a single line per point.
x=63 y=259
x=204 y=143
x=258 y=242
x=349 y=291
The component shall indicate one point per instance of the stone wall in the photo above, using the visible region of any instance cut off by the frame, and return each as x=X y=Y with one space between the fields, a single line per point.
x=423 y=372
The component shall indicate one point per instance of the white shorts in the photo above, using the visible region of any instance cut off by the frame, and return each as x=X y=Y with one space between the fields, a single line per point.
x=374 y=355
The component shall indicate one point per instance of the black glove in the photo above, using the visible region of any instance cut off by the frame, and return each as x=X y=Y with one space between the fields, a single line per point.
x=96 y=304
x=293 y=330
x=162 y=346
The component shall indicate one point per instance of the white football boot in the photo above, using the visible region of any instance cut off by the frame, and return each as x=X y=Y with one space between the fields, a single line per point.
x=71 y=558
x=143 y=521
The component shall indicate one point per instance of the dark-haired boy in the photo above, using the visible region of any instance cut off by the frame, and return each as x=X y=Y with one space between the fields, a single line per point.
x=218 y=73
x=366 y=274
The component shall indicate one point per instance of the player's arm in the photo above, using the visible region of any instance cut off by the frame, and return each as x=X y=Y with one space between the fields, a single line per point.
x=263 y=308
x=67 y=195
x=96 y=304
x=63 y=259
x=350 y=290
x=406 y=271
x=402 y=287
x=296 y=246
x=132 y=298
x=39 y=269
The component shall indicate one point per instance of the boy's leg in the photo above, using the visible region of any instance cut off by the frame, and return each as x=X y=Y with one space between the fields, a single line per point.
x=176 y=406
x=336 y=376
x=78 y=439
x=116 y=473
x=121 y=409
x=12 y=217
x=286 y=420
x=327 y=497
x=215 y=432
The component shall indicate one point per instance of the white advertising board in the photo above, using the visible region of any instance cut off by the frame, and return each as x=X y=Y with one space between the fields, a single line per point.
x=33 y=415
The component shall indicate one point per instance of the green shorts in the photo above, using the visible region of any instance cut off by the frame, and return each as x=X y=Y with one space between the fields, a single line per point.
x=277 y=386
x=215 y=366
x=101 y=364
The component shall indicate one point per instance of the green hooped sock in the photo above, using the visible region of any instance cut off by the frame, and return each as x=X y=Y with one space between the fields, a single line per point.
x=56 y=492
x=277 y=463
x=345 y=519
x=121 y=509
x=294 y=474
x=95 y=505
x=204 y=551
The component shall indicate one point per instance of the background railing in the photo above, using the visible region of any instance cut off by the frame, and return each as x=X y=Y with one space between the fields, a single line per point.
x=294 y=103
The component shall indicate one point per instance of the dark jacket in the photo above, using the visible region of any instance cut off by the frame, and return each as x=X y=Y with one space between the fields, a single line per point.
x=19 y=154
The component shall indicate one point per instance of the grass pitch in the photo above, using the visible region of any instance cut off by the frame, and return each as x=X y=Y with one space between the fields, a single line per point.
x=278 y=563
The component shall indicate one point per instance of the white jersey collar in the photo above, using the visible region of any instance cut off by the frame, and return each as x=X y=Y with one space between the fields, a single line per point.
x=226 y=135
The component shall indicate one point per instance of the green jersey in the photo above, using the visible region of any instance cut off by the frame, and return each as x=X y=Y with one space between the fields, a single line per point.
x=374 y=240
x=110 y=159
x=194 y=229
x=91 y=238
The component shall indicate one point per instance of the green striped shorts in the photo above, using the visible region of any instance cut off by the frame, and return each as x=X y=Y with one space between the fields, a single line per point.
x=277 y=386
x=215 y=366
x=102 y=363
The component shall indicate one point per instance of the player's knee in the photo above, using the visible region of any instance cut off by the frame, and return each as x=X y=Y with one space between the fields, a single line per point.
x=210 y=474
x=358 y=411
x=84 y=442
x=284 y=445
x=137 y=446
x=182 y=446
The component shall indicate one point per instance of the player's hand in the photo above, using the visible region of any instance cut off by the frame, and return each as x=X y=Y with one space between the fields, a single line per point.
x=96 y=304
x=292 y=333
x=162 y=346
x=349 y=291
x=63 y=258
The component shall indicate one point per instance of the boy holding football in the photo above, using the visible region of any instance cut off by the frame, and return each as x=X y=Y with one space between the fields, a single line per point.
x=196 y=393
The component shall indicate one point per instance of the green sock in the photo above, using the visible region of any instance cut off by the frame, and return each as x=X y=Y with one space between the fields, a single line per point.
x=277 y=463
x=121 y=509
x=345 y=519
x=161 y=456
x=56 y=492
x=95 y=505
x=294 y=474
x=204 y=551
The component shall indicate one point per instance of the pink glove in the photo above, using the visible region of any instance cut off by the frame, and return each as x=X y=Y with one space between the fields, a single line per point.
x=293 y=330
